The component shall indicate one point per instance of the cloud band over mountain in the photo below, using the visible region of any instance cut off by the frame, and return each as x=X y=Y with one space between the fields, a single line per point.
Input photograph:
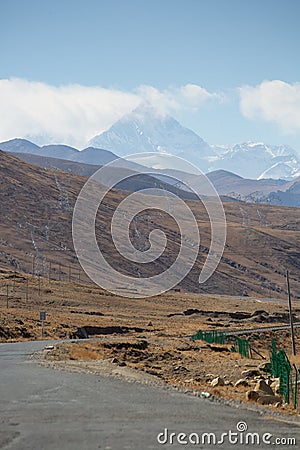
x=73 y=114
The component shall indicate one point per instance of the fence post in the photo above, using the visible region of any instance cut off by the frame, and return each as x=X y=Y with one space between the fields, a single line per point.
x=295 y=387
x=27 y=281
x=291 y=313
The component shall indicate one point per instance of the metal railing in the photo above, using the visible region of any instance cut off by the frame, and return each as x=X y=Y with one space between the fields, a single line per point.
x=217 y=337
x=288 y=375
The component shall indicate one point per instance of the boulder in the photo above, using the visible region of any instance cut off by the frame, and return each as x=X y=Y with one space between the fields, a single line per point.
x=219 y=381
x=263 y=388
x=252 y=395
x=275 y=385
x=209 y=377
x=241 y=382
x=269 y=400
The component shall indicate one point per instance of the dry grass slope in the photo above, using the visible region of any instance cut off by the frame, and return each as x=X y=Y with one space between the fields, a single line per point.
x=36 y=215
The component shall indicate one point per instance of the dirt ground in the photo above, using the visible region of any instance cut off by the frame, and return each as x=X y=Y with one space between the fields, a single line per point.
x=145 y=340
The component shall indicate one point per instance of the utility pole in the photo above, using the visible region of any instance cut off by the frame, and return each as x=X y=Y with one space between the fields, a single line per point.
x=33 y=266
x=291 y=313
x=27 y=281
x=14 y=284
x=39 y=284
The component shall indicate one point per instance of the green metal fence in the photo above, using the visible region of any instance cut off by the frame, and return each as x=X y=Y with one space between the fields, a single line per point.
x=296 y=387
x=212 y=337
x=217 y=337
x=288 y=374
x=243 y=347
x=280 y=366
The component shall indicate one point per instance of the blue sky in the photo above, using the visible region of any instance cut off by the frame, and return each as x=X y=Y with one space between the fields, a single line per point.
x=244 y=55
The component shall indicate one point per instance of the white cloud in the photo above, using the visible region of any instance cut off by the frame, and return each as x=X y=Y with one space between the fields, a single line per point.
x=274 y=101
x=73 y=114
x=190 y=96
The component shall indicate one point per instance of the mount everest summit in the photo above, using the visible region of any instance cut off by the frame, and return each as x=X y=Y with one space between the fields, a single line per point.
x=145 y=131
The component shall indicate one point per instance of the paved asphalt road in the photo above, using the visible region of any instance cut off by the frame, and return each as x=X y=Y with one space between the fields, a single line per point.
x=43 y=409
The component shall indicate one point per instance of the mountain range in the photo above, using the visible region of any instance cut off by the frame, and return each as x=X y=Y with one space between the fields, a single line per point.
x=227 y=184
x=36 y=229
x=259 y=161
x=144 y=130
x=252 y=172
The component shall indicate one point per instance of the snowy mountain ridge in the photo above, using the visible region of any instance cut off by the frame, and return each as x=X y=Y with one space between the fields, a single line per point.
x=143 y=130
x=258 y=160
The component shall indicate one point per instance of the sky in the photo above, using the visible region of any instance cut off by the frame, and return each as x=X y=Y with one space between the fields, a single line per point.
x=227 y=69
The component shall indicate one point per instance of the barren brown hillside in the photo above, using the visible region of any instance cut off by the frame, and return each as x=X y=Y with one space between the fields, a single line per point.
x=35 y=230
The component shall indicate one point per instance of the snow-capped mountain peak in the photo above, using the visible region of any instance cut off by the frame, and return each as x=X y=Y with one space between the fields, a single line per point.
x=257 y=160
x=144 y=130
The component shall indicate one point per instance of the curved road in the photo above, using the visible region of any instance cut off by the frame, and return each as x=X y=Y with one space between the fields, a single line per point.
x=43 y=409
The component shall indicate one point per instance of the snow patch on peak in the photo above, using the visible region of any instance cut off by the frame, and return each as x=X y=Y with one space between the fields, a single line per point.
x=280 y=170
x=255 y=144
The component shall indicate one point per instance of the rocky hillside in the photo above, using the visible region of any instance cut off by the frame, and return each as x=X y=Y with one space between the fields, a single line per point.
x=36 y=216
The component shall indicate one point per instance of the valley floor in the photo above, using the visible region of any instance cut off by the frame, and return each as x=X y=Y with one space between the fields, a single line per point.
x=146 y=340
